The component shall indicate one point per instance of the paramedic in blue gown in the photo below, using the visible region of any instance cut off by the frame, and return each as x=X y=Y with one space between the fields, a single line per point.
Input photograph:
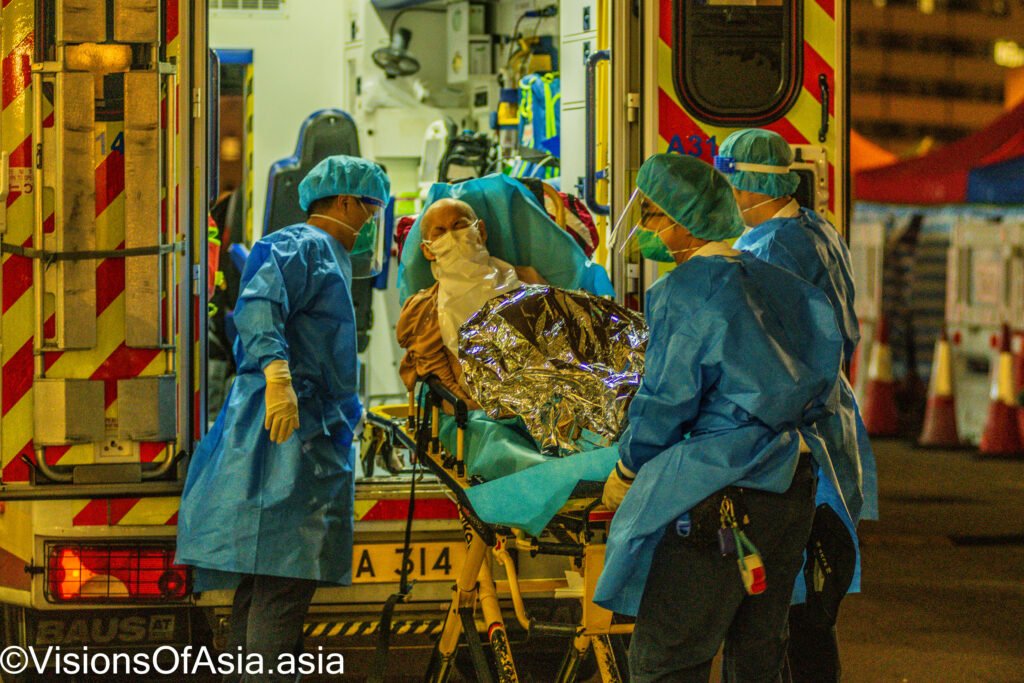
x=757 y=163
x=742 y=361
x=267 y=506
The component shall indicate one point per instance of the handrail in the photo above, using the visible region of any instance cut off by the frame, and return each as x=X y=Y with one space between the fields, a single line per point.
x=590 y=178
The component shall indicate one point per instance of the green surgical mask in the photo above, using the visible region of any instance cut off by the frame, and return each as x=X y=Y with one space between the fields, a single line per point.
x=653 y=248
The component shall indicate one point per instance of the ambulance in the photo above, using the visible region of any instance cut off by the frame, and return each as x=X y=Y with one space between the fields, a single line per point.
x=123 y=123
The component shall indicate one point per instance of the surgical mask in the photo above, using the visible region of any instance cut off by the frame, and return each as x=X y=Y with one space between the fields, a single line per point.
x=467 y=278
x=332 y=219
x=653 y=248
x=464 y=244
x=367 y=252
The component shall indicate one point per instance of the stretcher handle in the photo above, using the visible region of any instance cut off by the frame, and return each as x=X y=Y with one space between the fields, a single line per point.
x=445 y=394
x=559 y=205
x=563 y=549
x=540 y=628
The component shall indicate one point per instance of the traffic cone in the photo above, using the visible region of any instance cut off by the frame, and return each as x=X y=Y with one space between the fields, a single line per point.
x=1002 y=435
x=879 y=407
x=940 y=413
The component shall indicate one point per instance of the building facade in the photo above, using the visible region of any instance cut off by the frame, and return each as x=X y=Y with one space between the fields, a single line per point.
x=933 y=69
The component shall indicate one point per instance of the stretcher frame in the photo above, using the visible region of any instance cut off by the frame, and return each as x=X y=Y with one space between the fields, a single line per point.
x=579 y=530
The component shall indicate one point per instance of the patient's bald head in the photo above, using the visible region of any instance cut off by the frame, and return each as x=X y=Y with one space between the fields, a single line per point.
x=444 y=216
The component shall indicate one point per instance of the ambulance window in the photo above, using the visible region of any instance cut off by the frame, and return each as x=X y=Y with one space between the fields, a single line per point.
x=737 y=62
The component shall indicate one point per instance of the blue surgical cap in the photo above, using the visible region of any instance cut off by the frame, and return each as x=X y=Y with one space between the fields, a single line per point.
x=693 y=194
x=341 y=174
x=758 y=160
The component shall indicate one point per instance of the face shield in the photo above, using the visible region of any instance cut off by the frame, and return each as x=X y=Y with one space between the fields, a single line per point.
x=623 y=239
x=637 y=231
x=367 y=252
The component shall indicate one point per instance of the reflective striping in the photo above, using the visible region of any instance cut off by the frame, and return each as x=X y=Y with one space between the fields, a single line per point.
x=828 y=6
x=17 y=328
x=161 y=510
x=69 y=455
x=361 y=507
x=171 y=32
x=391 y=509
x=801 y=123
x=17 y=278
x=110 y=359
x=17 y=70
x=152 y=452
x=151 y=512
x=814 y=65
x=93 y=514
x=17 y=377
x=109 y=282
x=366 y=628
x=109 y=174
x=819 y=37
x=127 y=512
x=125 y=362
x=15 y=470
x=103 y=512
x=665 y=22
x=18 y=157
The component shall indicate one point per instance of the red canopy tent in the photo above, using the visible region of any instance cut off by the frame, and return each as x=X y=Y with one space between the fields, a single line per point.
x=941 y=177
x=865 y=154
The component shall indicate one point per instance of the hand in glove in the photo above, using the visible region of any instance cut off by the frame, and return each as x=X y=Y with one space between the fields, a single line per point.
x=616 y=486
x=281 y=402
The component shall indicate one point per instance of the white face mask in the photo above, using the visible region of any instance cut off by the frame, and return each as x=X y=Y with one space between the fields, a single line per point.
x=465 y=244
x=468 y=277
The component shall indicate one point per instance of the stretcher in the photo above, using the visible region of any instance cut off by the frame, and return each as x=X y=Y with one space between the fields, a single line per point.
x=489 y=585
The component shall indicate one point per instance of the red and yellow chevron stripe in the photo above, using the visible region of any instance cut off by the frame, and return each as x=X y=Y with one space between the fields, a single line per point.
x=799 y=126
x=17 y=42
x=110 y=359
x=164 y=511
x=128 y=512
x=397 y=509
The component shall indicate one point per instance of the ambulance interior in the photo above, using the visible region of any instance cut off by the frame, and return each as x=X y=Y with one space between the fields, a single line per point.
x=487 y=104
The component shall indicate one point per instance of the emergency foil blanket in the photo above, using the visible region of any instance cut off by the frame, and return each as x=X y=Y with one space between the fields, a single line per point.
x=566 y=362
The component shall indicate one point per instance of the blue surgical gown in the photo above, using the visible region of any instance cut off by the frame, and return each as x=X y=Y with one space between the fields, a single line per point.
x=742 y=360
x=809 y=247
x=251 y=506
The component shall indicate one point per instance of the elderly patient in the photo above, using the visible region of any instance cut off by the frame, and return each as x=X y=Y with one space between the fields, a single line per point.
x=455 y=244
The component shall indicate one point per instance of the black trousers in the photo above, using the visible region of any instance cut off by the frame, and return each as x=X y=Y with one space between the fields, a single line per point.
x=694 y=598
x=813 y=649
x=267 y=616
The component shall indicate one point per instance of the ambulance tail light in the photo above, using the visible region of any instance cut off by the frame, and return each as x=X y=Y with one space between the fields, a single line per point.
x=108 y=572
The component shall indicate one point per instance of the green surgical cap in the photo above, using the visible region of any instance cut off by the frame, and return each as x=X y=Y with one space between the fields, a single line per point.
x=762 y=148
x=341 y=174
x=693 y=194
